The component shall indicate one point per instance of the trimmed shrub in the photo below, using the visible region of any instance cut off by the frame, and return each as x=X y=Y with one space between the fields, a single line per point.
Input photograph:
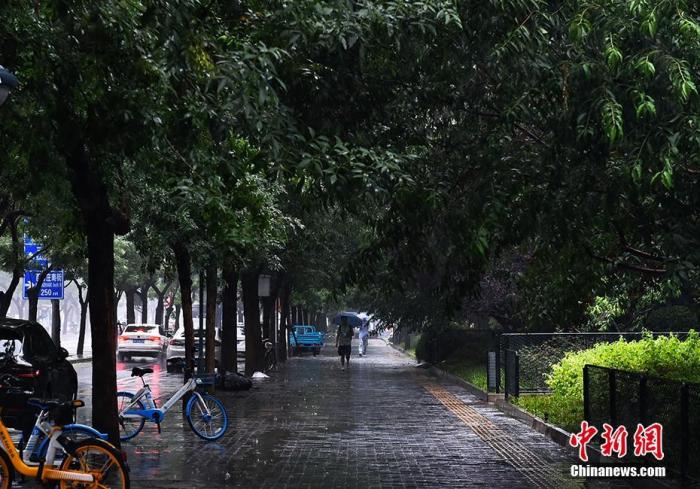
x=435 y=346
x=665 y=356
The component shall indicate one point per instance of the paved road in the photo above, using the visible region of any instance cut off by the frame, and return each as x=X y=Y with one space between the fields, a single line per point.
x=381 y=424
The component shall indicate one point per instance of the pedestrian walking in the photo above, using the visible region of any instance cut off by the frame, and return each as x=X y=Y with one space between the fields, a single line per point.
x=343 y=341
x=364 y=337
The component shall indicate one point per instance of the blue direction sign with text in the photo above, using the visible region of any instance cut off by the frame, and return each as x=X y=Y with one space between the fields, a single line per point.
x=51 y=287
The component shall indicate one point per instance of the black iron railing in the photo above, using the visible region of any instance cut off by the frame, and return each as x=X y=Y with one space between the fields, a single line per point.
x=620 y=397
x=536 y=353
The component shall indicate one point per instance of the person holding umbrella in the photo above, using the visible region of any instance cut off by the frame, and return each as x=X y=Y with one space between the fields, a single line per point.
x=343 y=341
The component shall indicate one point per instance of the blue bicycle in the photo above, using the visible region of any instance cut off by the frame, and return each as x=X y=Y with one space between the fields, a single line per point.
x=205 y=414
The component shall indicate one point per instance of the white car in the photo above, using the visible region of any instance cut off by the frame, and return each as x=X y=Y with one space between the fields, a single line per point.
x=176 y=349
x=141 y=340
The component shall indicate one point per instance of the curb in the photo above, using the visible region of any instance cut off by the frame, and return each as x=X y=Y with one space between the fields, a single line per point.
x=554 y=433
x=76 y=360
x=398 y=348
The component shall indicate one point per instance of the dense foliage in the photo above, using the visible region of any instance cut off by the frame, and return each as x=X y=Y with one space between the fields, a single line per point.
x=515 y=164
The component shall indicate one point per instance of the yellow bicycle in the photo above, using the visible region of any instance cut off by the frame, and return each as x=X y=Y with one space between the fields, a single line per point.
x=87 y=464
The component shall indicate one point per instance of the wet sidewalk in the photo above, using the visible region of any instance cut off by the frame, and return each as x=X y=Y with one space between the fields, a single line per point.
x=381 y=424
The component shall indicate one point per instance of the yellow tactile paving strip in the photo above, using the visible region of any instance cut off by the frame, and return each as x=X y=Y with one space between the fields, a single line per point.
x=533 y=467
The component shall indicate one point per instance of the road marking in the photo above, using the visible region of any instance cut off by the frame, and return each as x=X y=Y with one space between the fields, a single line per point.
x=533 y=467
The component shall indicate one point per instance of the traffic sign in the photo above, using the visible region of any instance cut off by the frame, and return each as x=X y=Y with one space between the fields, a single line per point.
x=32 y=251
x=51 y=287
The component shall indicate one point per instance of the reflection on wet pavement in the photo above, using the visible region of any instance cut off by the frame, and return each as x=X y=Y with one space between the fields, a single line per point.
x=312 y=425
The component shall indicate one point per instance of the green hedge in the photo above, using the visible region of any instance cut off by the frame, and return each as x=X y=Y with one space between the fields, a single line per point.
x=665 y=356
x=469 y=344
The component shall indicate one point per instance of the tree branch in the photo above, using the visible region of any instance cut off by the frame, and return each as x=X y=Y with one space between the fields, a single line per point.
x=637 y=252
x=627 y=266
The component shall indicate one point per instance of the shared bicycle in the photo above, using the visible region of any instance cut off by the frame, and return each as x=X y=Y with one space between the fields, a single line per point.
x=90 y=463
x=205 y=414
x=34 y=448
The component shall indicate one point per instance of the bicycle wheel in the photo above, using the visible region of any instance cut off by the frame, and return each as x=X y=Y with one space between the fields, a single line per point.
x=100 y=459
x=129 y=426
x=74 y=433
x=207 y=416
x=7 y=471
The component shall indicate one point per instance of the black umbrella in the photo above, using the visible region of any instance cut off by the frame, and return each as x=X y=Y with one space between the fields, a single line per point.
x=354 y=319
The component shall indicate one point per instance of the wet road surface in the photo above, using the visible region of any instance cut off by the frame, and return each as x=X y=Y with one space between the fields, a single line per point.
x=381 y=424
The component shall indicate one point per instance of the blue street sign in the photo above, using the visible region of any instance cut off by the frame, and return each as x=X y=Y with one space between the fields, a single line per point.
x=51 y=287
x=32 y=251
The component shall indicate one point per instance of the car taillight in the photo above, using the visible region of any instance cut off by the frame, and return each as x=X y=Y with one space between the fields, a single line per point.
x=29 y=375
x=177 y=342
x=154 y=338
x=123 y=338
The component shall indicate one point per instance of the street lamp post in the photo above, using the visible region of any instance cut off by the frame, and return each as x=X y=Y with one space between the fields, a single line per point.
x=8 y=82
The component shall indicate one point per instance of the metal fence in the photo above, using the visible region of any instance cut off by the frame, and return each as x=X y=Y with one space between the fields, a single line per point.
x=527 y=358
x=405 y=338
x=620 y=397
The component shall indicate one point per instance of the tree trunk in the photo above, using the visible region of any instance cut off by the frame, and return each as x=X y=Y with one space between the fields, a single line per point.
x=101 y=224
x=229 y=334
x=285 y=311
x=183 y=264
x=130 y=311
x=103 y=327
x=251 y=311
x=81 y=331
x=178 y=309
x=56 y=321
x=210 y=351
x=33 y=294
x=143 y=294
x=83 y=301
x=160 y=308
x=169 y=309
x=17 y=271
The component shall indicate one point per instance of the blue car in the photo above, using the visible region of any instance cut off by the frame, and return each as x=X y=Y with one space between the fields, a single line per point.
x=304 y=337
